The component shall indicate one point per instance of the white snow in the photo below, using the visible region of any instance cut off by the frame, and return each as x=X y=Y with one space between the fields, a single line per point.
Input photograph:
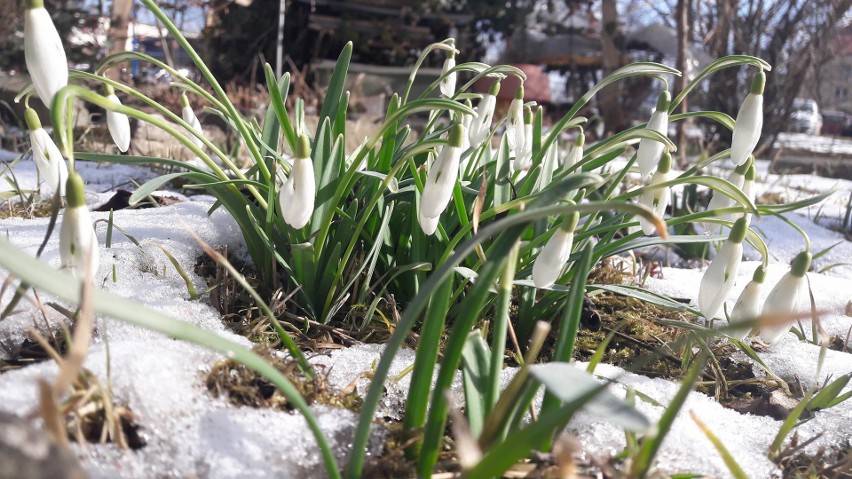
x=191 y=434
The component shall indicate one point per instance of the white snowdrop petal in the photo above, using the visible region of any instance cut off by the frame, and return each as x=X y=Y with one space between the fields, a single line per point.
x=747 y=128
x=298 y=193
x=719 y=279
x=552 y=258
x=650 y=150
x=119 y=126
x=44 y=55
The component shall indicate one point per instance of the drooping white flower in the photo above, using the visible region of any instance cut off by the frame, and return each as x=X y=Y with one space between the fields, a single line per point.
x=118 y=123
x=448 y=84
x=78 y=244
x=481 y=124
x=783 y=300
x=297 y=194
x=48 y=159
x=553 y=257
x=43 y=52
x=650 y=150
x=440 y=181
x=656 y=199
x=188 y=115
x=749 y=122
x=575 y=152
x=466 y=120
x=720 y=276
x=515 y=122
x=524 y=155
x=720 y=200
x=747 y=307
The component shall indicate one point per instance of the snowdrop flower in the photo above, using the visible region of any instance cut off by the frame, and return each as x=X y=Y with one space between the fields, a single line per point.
x=297 y=194
x=466 y=120
x=118 y=123
x=481 y=124
x=188 y=116
x=747 y=307
x=78 y=245
x=515 y=124
x=749 y=122
x=575 y=152
x=657 y=198
x=448 y=84
x=720 y=200
x=47 y=157
x=440 y=181
x=720 y=276
x=650 y=150
x=552 y=258
x=524 y=155
x=783 y=300
x=43 y=52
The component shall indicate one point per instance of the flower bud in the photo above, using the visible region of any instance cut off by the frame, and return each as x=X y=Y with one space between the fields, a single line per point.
x=553 y=257
x=656 y=199
x=78 y=244
x=747 y=307
x=297 y=195
x=43 y=52
x=481 y=124
x=783 y=300
x=448 y=84
x=515 y=123
x=188 y=116
x=440 y=181
x=48 y=159
x=575 y=152
x=650 y=150
x=749 y=122
x=118 y=123
x=721 y=275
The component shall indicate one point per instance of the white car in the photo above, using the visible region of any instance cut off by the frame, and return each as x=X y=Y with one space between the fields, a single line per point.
x=805 y=117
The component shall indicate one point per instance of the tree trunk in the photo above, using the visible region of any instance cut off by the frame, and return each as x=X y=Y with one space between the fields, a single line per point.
x=682 y=14
x=610 y=97
x=117 y=34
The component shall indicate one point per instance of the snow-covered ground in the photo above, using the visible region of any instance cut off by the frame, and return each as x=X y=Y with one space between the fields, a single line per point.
x=191 y=434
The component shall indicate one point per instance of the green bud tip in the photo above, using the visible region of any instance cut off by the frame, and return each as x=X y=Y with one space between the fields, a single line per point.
x=570 y=220
x=108 y=89
x=451 y=53
x=759 y=275
x=751 y=174
x=738 y=232
x=519 y=93
x=456 y=135
x=468 y=103
x=664 y=100
x=184 y=100
x=581 y=139
x=758 y=83
x=495 y=88
x=31 y=4
x=665 y=164
x=801 y=264
x=528 y=116
x=742 y=169
x=32 y=119
x=303 y=147
x=75 y=190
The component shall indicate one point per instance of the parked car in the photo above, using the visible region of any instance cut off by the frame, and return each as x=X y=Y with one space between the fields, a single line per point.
x=836 y=123
x=805 y=117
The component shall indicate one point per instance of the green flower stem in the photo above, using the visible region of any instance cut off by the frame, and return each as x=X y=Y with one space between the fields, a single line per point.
x=449 y=45
x=500 y=328
x=173 y=117
x=208 y=75
x=798 y=230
